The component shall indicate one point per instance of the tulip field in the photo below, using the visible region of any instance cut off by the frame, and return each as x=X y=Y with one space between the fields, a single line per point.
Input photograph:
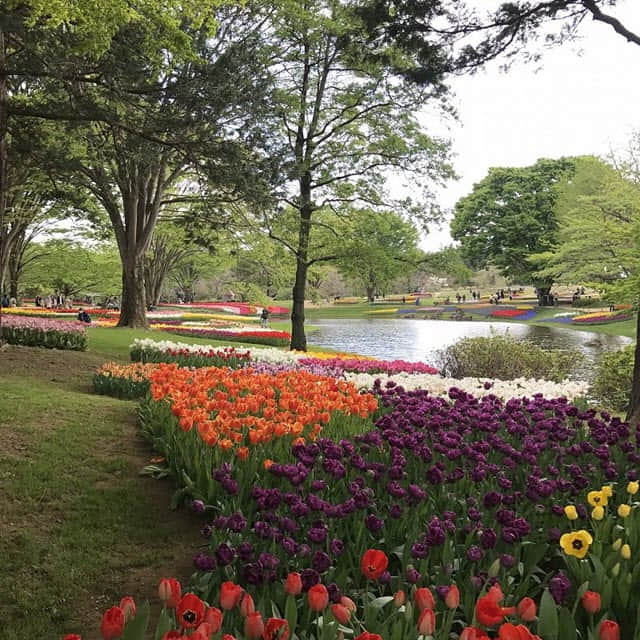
x=346 y=497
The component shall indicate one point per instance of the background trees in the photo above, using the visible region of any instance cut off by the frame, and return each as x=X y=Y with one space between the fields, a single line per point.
x=508 y=217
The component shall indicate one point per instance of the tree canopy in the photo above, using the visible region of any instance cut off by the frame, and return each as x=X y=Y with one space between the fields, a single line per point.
x=509 y=216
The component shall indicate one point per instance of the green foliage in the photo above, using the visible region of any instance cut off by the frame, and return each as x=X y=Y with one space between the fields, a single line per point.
x=509 y=216
x=448 y=263
x=613 y=379
x=504 y=358
x=377 y=248
x=117 y=387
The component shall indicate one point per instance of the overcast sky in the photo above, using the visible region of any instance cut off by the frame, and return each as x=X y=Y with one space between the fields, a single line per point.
x=584 y=99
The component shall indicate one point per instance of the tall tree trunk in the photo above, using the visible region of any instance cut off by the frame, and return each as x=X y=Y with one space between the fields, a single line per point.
x=133 y=307
x=298 y=337
x=4 y=158
x=633 y=415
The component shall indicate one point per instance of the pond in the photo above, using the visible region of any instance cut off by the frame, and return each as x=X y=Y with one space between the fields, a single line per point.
x=419 y=340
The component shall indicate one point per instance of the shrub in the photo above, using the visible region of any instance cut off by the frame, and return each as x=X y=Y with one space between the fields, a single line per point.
x=614 y=374
x=505 y=358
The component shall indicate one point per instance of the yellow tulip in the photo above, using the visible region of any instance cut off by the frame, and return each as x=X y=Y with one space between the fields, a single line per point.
x=633 y=487
x=570 y=512
x=624 y=510
x=617 y=544
x=576 y=543
x=607 y=490
x=597 y=498
x=625 y=552
x=597 y=513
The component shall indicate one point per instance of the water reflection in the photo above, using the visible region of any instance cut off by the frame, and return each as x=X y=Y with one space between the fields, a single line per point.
x=418 y=340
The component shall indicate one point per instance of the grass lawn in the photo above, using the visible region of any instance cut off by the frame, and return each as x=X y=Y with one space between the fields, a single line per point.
x=79 y=528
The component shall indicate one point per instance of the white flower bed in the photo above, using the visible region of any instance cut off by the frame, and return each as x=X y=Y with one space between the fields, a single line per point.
x=266 y=354
x=504 y=389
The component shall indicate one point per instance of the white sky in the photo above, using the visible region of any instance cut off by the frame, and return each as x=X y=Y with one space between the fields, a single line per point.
x=584 y=99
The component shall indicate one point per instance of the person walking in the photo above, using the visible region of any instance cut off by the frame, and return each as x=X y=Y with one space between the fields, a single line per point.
x=264 y=318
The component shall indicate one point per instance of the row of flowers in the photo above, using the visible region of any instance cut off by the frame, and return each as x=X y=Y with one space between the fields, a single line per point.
x=147 y=350
x=248 y=335
x=40 y=332
x=325 y=613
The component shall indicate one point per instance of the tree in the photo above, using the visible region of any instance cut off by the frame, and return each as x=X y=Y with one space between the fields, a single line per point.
x=379 y=248
x=67 y=266
x=510 y=216
x=447 y=263
x=183 y=125
x=344 y=122
x=59 y=43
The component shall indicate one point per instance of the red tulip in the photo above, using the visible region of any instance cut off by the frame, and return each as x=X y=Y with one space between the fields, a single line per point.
x=197 y=635
x=473 y=633
x=205 y=629
x=526 y=609
x=190 y=611
x=170 y=592
x=341 y=613
x=128 y=606
x=276 y=629
x=495 y=593
x=452 y=599
x=609 y=630
x=228 y=636
x=293 y=585
x=489 y=612
x=230 y=594
x=424 y=599
x=366 y=635
x=72 y=636
x=427 y=622
x=373 y=564
x=591 y=602
x=399 y=598
x=112 y=623
x=318 y=597
x=213 y=616
x=247 y=605
x=347 y=602
x=253 y=625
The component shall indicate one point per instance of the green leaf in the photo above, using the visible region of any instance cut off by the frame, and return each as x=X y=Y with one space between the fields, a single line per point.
x=380 y=602
x=567 y=625
x=137 y=628
x=164 y=624
x=548 y=617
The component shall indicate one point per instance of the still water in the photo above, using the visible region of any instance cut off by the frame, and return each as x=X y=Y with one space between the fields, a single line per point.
x=419 y=340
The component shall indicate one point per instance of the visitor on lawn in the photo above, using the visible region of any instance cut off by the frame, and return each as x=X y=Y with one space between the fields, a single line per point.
x=83 y=316
x=264 y=318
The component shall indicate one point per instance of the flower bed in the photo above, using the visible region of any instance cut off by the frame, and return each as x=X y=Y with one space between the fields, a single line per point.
x=460 y=488
x=189 y=355
x=40 y=332
x=123 y=381
x=603 y=317
x=251 y=336
x=521 y=314
x=198 y=417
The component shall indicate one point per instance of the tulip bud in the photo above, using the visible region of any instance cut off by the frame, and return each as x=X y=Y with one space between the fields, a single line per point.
x=617 y=544
x=427 y=622
x=254 y=625
x=632 y=487
x=424 y=599
x=624 y=510
x=625 y=552
x=597 y=513
x=170 y=592
x=591 y=602
x=570 y=512
x=494 y=568
x=293 y=585
x=399 y=598
x=609 y=630
x=247 y=605
x=526 y=609
x=615 y=572
x=112 y=625
x=341 y=613
x=452 y=599
x=347 y=602
x=318 y=597
x=128 y=606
